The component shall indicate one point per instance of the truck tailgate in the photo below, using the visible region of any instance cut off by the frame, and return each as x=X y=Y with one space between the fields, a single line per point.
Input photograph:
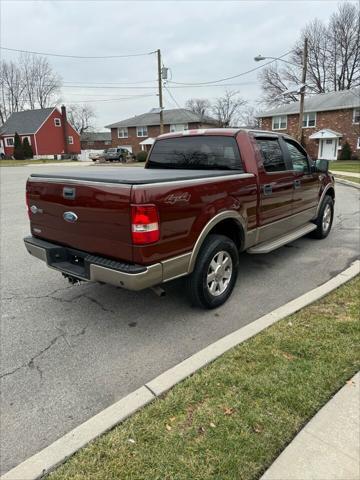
x=97 y=219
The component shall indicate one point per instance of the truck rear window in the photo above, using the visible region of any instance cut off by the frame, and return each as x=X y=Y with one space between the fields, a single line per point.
x=196 y=152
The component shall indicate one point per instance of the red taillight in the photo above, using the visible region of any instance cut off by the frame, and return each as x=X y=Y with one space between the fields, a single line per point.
x=144 y=224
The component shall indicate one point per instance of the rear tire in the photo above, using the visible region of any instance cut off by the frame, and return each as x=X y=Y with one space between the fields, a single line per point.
x=215 y=273
x=324 y=220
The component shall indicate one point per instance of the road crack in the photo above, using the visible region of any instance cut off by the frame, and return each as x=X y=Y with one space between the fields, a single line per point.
x=99 y=304
x=31 y=363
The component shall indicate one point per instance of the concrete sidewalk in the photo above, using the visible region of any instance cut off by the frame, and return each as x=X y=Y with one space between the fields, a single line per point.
x=346 y=174
x=59 y=164
x=328 y=447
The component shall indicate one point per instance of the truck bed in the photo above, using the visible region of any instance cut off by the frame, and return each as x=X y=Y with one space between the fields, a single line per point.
x=135 y=175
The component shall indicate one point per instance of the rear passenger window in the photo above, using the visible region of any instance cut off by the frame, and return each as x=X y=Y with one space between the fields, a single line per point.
x=196 y=152
x=298 y=157
x=272 y=155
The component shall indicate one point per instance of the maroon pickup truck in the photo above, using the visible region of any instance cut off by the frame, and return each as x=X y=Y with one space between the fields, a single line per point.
x=203 y=197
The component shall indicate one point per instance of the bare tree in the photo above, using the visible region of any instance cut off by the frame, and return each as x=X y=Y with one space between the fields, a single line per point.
x=227 y=109
x=248 y=117
x=276 y=86
x=81 y=117
x=42 y=84
x=27 y=84
x=11 y=89
x=344 y=36
x=333 y=59
x=200 y=106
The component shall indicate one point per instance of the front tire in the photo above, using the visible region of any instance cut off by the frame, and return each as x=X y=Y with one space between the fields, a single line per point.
x=325 y=218
x=215 y=273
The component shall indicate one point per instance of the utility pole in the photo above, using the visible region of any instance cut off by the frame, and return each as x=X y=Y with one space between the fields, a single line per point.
x=160 y=92
x=302 y=89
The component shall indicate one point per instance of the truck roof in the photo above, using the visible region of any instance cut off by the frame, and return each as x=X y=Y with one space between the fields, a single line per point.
x=226 y=132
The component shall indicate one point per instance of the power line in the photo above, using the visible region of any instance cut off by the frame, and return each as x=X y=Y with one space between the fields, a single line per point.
x=172 y=100
x=176 y=103
x=105 y=86
x=216 y=85
x=134 y=97
x=82 y=94
x=233 y=76
x=77 y=56
x=111 y=83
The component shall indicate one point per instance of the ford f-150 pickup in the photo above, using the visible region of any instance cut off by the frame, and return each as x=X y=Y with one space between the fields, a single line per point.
x=203 y=197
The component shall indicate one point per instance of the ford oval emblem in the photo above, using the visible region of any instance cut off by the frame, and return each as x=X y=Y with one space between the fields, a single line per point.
x=70 y=217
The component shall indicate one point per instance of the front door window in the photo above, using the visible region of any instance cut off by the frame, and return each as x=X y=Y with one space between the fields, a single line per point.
x=328 y=148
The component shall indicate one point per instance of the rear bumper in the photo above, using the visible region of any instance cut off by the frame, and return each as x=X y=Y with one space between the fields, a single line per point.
x=85 y=266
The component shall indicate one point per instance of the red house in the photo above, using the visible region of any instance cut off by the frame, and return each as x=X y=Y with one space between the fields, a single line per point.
x=47 y=129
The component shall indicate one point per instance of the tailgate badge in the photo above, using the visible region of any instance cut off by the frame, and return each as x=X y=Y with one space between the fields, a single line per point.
x=70 y=217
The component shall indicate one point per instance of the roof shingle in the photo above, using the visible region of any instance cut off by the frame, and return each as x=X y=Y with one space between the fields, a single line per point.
x=27 y=121
x=174 y=116
x=319 y=103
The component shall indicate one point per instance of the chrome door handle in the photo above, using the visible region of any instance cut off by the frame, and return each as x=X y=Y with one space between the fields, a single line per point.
x=267 y=189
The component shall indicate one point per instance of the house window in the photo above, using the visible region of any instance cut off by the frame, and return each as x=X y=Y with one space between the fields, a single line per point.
x=356 y=115
x=29 y=139
x=107 y=142
x=9 y=141
x=141 y=131
x=70 y=140
x=57 y=122
x=123 y=132
x=309 y=120
x=179 y=127
x=358 y=143
x=279 y=122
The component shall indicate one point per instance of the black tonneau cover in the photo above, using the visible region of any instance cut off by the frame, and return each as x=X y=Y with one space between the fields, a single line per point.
x=135 y=175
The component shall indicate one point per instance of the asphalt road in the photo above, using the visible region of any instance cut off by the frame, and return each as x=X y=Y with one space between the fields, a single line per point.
x=68 y=352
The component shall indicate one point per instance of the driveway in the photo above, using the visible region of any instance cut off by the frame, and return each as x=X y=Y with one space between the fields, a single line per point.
x=68 y=352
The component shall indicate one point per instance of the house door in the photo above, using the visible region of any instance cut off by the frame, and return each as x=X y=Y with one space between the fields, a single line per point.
x=328 y=148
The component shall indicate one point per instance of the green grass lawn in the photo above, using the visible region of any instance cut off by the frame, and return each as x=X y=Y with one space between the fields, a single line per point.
x=19 y=163
x=233 y=418
x=345 y=166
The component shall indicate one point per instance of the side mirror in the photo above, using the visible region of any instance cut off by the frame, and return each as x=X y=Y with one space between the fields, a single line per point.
x=320 y=166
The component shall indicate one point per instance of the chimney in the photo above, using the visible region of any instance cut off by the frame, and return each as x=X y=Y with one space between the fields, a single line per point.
x=64 y=127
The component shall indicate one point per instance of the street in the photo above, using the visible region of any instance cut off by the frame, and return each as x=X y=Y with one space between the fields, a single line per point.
x=67 y=352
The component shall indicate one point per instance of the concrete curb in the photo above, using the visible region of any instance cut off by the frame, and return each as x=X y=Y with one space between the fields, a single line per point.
x=347 y=182
x=174 y=375
x=328 y=446
x=56 y=453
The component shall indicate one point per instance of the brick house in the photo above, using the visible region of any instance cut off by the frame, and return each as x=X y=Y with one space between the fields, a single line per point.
x=47 y=129
x=330 y=120
x=139 y=132
x=95 y=140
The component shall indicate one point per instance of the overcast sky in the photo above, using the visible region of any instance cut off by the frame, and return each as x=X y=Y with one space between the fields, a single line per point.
x=200 y=41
